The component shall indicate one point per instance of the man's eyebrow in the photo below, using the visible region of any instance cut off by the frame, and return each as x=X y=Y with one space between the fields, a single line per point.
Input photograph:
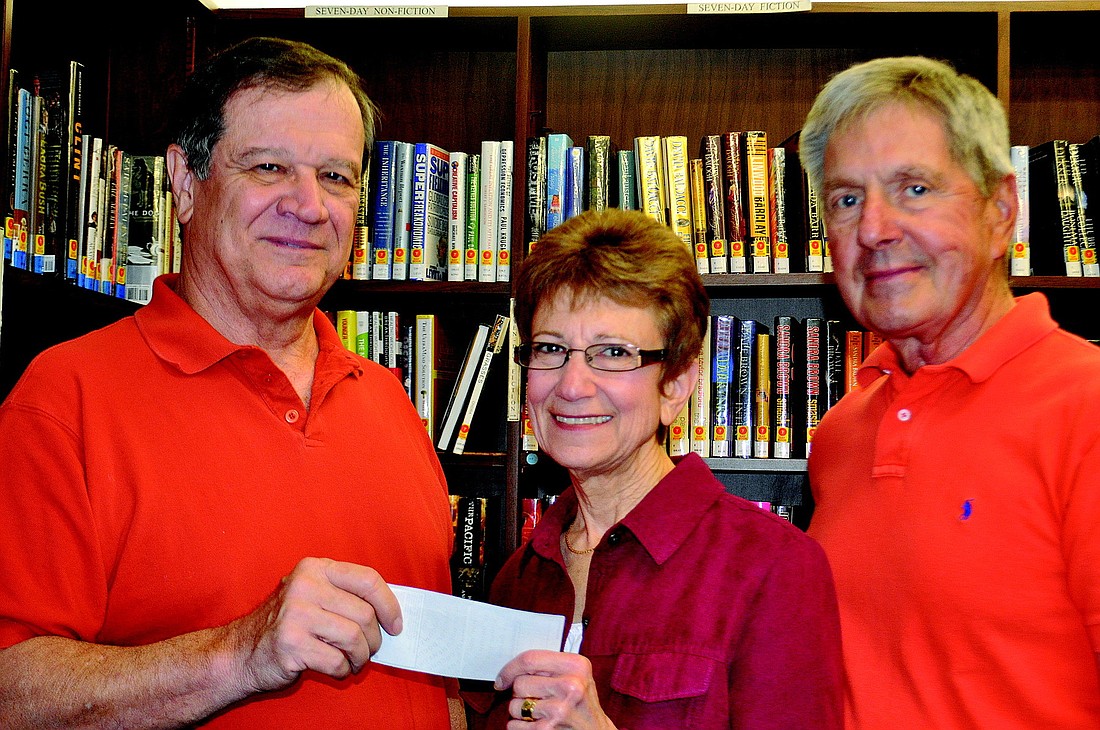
x=251 y=154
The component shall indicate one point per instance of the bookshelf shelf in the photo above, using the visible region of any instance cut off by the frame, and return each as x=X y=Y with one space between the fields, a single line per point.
x=516 y=72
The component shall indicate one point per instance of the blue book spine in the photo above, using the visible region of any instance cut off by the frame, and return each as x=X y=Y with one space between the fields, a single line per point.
x=574 y=193
x=745 y=358
x=557 y=166
x=721 y=377
x=24 y=165
x=628 y=192
x=382 y=211
x=428 y=214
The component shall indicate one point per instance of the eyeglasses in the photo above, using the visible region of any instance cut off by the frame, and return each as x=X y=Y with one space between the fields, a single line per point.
x=606 y=356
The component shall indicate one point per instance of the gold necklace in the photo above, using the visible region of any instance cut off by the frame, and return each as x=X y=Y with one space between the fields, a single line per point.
x=570 y=548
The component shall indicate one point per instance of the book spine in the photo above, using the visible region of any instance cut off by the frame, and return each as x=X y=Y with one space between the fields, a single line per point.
x=468 y=571
x=504 y=211
x=402 y=212
x=744 y=390
x=456 y=404
x=762 y=399
x=382 y=210
x=346 y=328
x=361 y=250
x=125 y=161
x=679 y=440
x=75 y=143
x=534 y=224
x=557 y=166
x=777 y=207
x=783 y=405
x=853 y=356
x=1086 y=235
x=515 y=372
x=715 y=203
x=11 y=148
x=1067 y=210
x=677 y=187
x=43 y=260
x=473 y=216
x=651 y=186
x=723 y=378
x=699 y=215
x=756 y=200
x=456 y=221
x=142 y=245
x=575 y=183
x=24 y=176
x=700 y=398
x=429 y=212
x=424 y=371
x=834 y=361
x=626 y=173
x=816 y=400
x=363 y=334
x=815 y=228
x=1020 y=257
x=490 y=193
x=598 y=152
x=736 y=229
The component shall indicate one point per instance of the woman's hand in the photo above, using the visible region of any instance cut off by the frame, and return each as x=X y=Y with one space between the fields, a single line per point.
x=552 y=689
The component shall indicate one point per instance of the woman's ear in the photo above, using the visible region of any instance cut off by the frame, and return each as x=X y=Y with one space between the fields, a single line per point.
x=676 y=391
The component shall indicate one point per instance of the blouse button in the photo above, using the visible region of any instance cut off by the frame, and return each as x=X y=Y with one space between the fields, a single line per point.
x=292 y=416
x=904 y=415
x=615 y=538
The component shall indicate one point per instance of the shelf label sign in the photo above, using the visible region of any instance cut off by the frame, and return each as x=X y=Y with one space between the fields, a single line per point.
x=376 y=11
x=760 y=6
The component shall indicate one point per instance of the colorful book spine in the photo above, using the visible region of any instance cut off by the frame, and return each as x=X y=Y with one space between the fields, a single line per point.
x=723 y=379
x=626 y=175
x=777 y=209
x=456 y=219
x=558 y=145
x=363 y=333
x=650 y=180
x=24 y=177
x=429 y=215
x=534 y=223
x=1020 y=253
x=402 y=211
x=834 y=361
x=744 y=390
x=762 y=397
x=815 y=228
x=678 y=187
x=346 y=323
x=715 y=200
x=700 y=398
x=382 y=208
x=679 y=434
x=757 y=215
x=699 y=215
x=575 y=183
x=734 y=185
x=783 y=387
x=853 y=356
x=504 y=211
x=598 y=152
x=147 y=180
x=74 y=165
x=1086 y=234
x=361 y=250
x=473 y=216
x=490 y=211
x=816 y=399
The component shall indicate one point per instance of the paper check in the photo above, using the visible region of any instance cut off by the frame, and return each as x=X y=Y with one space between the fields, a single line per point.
x=457 y=637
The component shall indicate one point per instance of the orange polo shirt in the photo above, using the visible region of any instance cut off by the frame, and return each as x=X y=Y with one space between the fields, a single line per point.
x=159 y=479
x=958 y=507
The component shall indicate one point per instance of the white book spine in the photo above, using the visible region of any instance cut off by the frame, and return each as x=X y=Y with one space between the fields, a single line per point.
x=456 y=228
x=504 y=212
x=487 y=235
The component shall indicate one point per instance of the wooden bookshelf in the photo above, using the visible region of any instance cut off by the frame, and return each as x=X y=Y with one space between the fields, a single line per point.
x=622 y=70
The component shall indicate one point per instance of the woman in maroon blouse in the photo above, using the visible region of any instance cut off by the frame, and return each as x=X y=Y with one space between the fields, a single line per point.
x=687 y=607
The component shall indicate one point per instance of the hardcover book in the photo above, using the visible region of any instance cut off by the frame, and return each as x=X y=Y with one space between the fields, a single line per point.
x=456 y=405
x=600 y=156
x=402 y=211
x=429 y=213
x=677 y=187
x=504 y=211
x=834 y=361
x=700 y=397
x=757 y=215
x=699 y=215
x=575 y=183
x=744 y=391
x=143 y=244
x=490 y=211
x=498 y=335
x=1086 y=233
x=456 y=220
x=382 y=208
x=777 y=209
x=650 y=177
x=714 y=197
x=735 y=187
x=626 y=174
x=783 y=402
x=473 y=216
x=1055 y=248
x=762 y=397
x=558 y=145
x=361 y=250
x=1020 y=252
x=468 y=557
x=534 y=223
x=817 y=401
x=853 y=356
x=723 y=377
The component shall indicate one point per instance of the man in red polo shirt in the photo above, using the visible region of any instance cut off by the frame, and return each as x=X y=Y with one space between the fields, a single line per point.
x=957 y=488
x=201 y=510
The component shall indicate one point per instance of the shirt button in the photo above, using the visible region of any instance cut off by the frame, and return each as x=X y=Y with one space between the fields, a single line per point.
x=904 y=415
x=292 y=416
x=614 y=538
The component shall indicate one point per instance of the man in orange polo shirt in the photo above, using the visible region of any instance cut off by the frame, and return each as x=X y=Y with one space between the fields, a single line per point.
x=200 y=510
x=957 y=487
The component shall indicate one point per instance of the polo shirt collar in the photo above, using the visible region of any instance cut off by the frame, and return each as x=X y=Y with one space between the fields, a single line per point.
x=661 y=522
x=177 y=334
x=1024 y=325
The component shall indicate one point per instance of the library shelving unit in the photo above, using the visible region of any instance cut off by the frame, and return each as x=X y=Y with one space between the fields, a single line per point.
x=621 y=70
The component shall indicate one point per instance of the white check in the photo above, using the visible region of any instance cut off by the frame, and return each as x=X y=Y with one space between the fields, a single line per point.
x=457 y=637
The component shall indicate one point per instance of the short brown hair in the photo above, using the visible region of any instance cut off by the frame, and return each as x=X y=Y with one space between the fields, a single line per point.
x=632 y=260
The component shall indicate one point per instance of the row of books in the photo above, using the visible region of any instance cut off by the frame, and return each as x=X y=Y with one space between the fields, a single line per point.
x=427 y=214
x=741 y=205
x=1056 y=180
x=446 y=391
x=82 y=208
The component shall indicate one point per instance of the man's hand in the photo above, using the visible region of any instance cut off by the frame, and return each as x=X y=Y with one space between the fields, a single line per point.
x=325 y=616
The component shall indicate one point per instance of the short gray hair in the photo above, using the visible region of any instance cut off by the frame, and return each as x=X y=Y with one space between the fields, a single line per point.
x=973 y=118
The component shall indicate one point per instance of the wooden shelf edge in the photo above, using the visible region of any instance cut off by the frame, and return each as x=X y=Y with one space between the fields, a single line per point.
x=775 y=466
